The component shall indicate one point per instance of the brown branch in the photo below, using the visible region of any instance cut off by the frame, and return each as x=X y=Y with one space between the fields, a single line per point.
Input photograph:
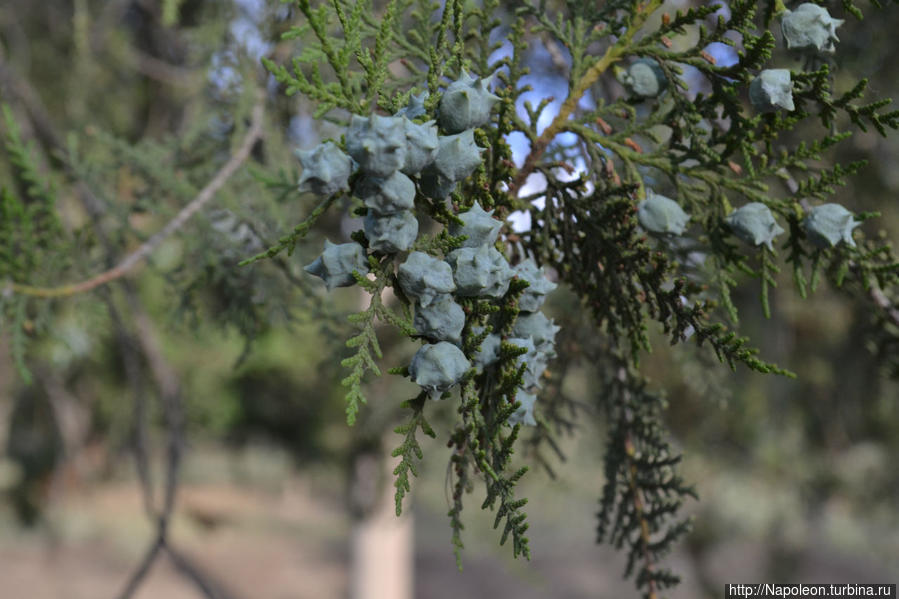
x=173 y=412
x=143 y=568
x=133 y=373
x=148 y=247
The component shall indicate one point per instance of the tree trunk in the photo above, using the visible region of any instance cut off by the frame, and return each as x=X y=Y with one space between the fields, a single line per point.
x=381 y=557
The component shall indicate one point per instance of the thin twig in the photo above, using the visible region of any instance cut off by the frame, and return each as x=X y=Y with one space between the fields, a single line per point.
x=612 y=54
x=143 y=568
x=879 y=297
x=173 y=414
x=172 y=408
x=140 y=423
x=254 y=133
x=196 y=575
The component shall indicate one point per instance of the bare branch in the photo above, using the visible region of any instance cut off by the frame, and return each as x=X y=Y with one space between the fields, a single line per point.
x=879 y=297
x=254 y=133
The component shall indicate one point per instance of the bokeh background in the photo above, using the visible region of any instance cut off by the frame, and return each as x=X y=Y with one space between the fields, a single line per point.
x=278 y=498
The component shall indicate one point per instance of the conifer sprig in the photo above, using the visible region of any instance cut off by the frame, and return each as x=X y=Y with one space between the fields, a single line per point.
x=604 y=152
x=409 y=451
x=32 y=242
x=365 y=345
x=643 y=492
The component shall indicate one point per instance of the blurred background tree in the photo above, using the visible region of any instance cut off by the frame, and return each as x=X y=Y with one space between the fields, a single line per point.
x=120 y=113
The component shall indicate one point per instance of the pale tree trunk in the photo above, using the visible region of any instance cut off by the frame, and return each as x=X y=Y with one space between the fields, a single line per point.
x=381 y=553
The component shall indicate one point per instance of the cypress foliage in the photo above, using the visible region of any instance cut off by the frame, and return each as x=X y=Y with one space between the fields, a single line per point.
x=706 y=149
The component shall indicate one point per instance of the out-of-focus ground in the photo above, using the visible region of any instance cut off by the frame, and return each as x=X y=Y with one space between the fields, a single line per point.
x=261 y=529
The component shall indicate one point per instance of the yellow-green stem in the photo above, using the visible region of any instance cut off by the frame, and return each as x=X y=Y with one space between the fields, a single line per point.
x=612 y=54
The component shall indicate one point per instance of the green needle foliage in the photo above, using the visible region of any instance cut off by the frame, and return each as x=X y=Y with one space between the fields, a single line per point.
x=643 y=492
x=33 y=241
x=365 y=343
x=410 y=451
